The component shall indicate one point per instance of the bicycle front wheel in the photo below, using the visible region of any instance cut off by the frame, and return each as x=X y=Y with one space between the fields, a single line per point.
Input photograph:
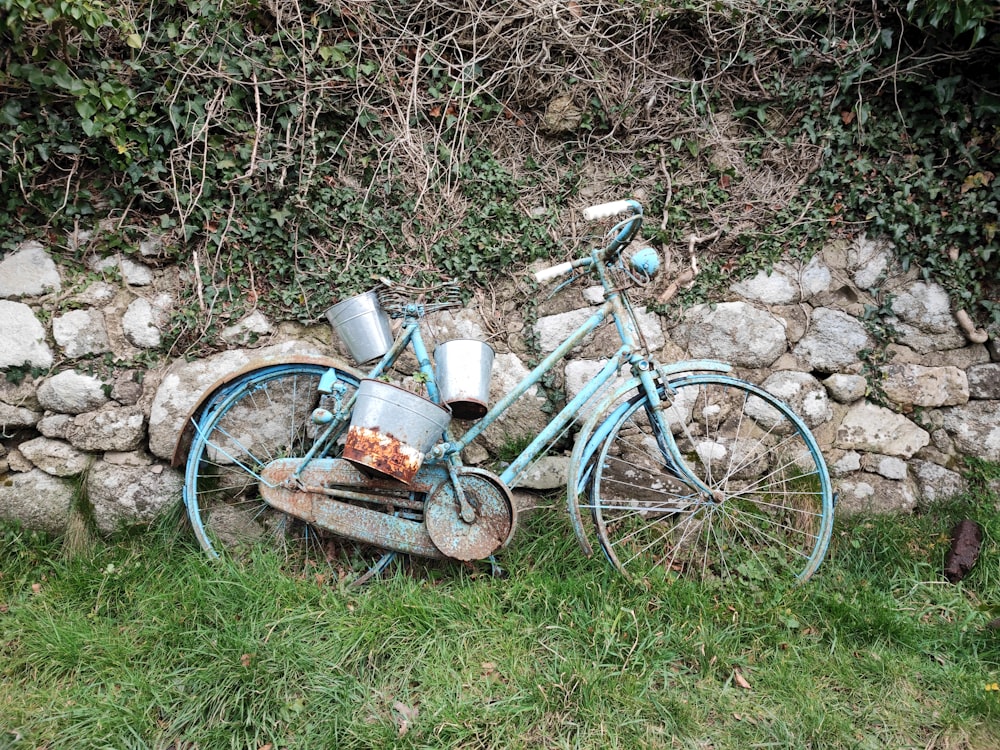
x=263 y=415
x=739 y=488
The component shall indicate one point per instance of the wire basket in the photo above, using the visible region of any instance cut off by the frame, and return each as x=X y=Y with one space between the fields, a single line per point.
x=397 y=298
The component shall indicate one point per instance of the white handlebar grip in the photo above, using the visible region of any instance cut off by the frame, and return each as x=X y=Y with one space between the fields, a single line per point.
x=604 y=210
x=552 y=272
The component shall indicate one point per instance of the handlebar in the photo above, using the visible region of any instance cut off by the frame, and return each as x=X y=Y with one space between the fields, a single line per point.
x=626 y=230
x=606 y=210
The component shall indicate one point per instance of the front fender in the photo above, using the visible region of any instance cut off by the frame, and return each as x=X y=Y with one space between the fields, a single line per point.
x=184 y=438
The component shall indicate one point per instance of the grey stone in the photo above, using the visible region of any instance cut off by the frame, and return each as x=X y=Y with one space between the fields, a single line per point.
x=795 y=319
x=925 y=320
x=963 y=358
x=889 y=467
x=870 y=260
x=113 y=428
x=984 y=381
x=916 y=385
x=248 y=330
x=36 y=500
x=876 y=429
x=580 y=373
x=55 y=457
x=832 y=342
x=22 y=337
x=135 y=274
x=128 y=458
x=448 y=325
x=96 y=294
x=871 y=493
x=975 y=427
x=525 y=418
x=123 y=496
x=29 y=271
x=81 y=332
x=16 y=417
x=942 y=441
x=776 y=288
x=21 y=393
x=139 y=324
x=803 y=393
x=71 y=392
x=786 y=283
x=735 y=332
x=815 y=278
x=55 y=426
x=936 y=482
x=18 y=462
x=127 y=391
x=546 y=473
x=846 y=389
x=847 y=463
x=153 y=246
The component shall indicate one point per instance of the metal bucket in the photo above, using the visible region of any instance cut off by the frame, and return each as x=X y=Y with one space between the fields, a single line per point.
x=362 y=325
x=391 y=429
x=463 y=376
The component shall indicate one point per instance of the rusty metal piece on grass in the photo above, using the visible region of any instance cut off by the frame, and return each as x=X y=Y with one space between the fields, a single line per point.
x=966 y=542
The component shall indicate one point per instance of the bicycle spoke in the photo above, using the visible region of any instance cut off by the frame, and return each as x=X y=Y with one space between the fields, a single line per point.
x=770 y=500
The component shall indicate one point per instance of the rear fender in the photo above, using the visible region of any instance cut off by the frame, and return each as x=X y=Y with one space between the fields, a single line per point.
x=183 y=443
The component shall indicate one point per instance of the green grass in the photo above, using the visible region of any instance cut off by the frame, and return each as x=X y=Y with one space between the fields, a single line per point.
x=146 y=644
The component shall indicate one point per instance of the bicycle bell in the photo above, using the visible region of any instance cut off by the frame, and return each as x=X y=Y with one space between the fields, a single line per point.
x=644 y=262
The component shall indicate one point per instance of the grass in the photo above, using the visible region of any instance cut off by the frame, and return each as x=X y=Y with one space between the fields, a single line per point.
x=147 y=644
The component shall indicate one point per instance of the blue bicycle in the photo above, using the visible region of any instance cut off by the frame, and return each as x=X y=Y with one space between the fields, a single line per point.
x=676 y=469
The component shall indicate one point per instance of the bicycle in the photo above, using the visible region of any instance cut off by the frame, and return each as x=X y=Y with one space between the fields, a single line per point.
x=683 y=470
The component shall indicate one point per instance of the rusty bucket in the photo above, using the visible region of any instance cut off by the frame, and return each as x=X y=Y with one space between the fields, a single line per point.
x=362 y=325
x=464 y=367
x=391 y=429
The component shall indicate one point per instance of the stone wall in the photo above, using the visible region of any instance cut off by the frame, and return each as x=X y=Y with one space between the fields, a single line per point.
x=78 y=407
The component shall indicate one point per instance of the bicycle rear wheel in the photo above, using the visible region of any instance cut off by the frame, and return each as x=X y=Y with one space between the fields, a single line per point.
x=263 y=415
x=765 y=509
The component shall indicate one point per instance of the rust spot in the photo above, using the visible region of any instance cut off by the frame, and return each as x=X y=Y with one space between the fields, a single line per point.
x=380 y=452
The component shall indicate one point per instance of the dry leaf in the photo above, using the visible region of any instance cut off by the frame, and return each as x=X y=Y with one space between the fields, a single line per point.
x=245 y=659
x=976 y=180
x=740 y=680
x=406 y=716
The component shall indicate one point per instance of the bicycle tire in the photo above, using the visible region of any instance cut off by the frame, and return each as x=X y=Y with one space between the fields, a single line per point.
x=768 y=511
x=262 y=415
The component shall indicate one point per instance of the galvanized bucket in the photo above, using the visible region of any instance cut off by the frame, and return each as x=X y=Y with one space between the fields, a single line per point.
x=464 y=367
x=362 y=325
x=391 y=429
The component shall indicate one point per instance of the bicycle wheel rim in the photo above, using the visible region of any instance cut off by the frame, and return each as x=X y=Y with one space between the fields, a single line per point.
x=263 y=415
x=768 y=510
